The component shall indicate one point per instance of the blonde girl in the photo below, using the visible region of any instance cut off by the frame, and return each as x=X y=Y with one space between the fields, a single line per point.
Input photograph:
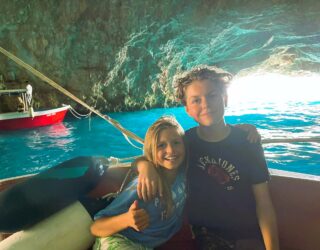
x=131 y=223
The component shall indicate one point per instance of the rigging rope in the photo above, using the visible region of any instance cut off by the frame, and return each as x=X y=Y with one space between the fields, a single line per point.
x=113 y=122
x=78 y=115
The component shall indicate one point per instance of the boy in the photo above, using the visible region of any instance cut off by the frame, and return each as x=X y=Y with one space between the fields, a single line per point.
x=229 y=204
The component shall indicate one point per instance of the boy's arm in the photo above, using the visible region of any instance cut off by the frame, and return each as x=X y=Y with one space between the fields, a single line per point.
x=136 y=218
x=253 y=133
x=149 y=182
x=266 y=216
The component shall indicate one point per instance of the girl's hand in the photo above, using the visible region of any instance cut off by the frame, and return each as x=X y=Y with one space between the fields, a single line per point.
x=138 y=218
x=253 y=134
x=149 y=182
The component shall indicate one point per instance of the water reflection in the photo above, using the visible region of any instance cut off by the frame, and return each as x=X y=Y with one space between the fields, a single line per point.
x=57 y=130
x=55 y=136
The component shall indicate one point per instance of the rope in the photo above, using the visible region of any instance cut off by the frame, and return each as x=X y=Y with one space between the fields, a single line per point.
x=115 y=161
x=113 y=122
x=78 y=115
x=291 y=140
x=130 y=142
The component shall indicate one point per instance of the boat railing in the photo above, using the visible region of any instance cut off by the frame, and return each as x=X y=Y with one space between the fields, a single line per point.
x=12 y=92
x=24 y=97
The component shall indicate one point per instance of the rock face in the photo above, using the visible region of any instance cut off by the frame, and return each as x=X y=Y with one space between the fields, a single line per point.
x=80 y=45
x=121 y=54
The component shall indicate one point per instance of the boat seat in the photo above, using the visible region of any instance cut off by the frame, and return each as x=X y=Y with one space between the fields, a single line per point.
x=297 y=205
x=181 y=240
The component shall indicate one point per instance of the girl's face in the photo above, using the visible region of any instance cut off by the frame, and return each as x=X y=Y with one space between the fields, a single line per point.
x=170 y=150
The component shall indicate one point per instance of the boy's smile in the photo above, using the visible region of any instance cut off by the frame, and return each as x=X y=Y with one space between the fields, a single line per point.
x=205 y=102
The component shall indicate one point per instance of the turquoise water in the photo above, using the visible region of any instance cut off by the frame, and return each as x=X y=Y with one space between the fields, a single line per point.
x=276 y=115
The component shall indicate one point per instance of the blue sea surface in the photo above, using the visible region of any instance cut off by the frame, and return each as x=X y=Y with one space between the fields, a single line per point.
x=276 y=113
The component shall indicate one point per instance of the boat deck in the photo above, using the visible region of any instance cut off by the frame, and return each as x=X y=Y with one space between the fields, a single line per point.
x=296 y=198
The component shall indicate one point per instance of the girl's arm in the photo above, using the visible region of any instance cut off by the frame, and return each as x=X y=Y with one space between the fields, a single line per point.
x=136 y=218
x=266 y=216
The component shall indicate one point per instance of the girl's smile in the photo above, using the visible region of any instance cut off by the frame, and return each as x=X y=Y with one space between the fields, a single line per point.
x=170 y=149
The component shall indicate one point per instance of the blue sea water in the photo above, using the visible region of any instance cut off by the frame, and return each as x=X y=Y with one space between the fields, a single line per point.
x=275 y=113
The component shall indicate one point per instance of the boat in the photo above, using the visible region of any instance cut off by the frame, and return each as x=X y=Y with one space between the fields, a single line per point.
x=23 y=116
x=295 y=197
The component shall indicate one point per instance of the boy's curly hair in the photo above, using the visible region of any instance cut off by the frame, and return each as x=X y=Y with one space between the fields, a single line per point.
x=202 y=72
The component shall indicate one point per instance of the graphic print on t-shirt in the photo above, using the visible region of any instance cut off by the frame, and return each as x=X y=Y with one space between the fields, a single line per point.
x=221 y=171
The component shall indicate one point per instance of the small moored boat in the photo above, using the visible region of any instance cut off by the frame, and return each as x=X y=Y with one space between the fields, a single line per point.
x=25 y=117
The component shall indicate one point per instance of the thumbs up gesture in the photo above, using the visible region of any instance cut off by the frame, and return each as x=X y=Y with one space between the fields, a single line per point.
x=137 y=217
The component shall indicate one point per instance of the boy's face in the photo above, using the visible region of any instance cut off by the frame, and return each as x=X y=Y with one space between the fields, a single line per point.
x=205 y=102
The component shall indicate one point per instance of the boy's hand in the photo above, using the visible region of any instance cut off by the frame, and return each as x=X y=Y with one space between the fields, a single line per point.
x=253 y=134
x=149 y=182
x=138 y=218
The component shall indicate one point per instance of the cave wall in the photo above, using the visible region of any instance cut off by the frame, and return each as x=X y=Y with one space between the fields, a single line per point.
x=75 y=43
x=113 y=54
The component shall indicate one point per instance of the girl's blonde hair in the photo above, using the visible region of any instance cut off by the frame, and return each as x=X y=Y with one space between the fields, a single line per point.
x=150 y=152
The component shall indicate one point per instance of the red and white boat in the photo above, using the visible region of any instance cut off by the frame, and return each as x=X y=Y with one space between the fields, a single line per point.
x=25 y=117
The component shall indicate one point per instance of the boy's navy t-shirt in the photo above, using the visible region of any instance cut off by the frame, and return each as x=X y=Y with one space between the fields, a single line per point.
x=220 y=179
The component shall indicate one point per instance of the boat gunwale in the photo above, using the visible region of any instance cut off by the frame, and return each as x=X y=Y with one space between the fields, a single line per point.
x=294 y=175
x=21 y=115
x=273 y=172
x=12 y=92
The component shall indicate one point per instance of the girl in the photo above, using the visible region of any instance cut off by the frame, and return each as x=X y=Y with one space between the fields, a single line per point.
x=130 y=223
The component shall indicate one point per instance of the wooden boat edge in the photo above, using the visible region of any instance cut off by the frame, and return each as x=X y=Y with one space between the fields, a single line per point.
x=296 y=204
